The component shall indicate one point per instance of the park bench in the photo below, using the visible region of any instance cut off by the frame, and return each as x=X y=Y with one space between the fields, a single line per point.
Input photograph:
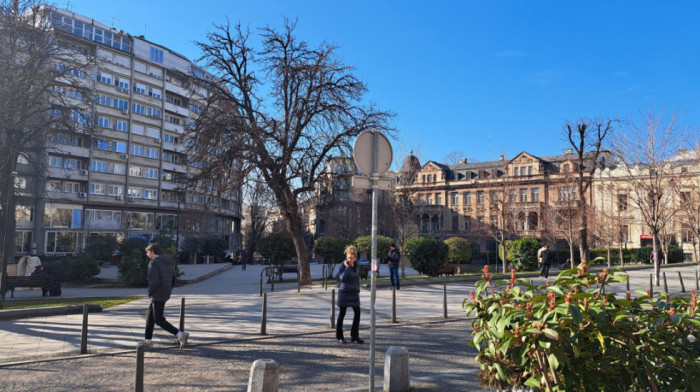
x=45 y=282
x=278 y=271
x=447 y=270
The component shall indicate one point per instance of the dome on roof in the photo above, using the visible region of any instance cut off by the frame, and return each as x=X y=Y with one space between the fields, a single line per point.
x=410 y=165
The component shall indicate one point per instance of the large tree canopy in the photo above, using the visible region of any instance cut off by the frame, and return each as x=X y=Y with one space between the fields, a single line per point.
x=282 y=109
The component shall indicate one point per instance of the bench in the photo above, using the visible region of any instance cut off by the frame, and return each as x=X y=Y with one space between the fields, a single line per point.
x=446 y=270
x=45 y=282
x=364 y=270
x=279 y=270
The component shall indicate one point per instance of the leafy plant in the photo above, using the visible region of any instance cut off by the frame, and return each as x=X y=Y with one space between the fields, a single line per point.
x=277 y=247
x=364 y=246
x=331 y=248
x=571 y=335
x=459 y=250
x=427 y=255
x=133 y=267
x=523 y=253
x=83 y=268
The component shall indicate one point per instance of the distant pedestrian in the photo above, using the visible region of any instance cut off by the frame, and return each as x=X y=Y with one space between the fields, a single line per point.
x=544 y=258
x=244 y=259
x=40 y=273
x=394 y=259
x=349 y=296
x=161 y=279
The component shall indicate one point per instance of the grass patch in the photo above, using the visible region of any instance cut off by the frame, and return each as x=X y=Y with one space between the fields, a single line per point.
x=105 y=302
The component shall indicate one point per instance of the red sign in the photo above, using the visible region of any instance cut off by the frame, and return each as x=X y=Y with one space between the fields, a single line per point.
x=646 y=237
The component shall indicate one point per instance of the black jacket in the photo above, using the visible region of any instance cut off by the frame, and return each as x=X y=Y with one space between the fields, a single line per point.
x=161 y=278
x=349 y=289
x=394 y=258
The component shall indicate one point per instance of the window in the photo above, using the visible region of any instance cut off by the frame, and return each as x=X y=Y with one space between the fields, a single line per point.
x=103 y=219
x=156 y=55
x=115 y=190
x=153 y=112
x=107 y=167
x=467 y=198
x=566 y=168
x=622 y=202
x=429 y=199
x=624 y=233
x=567 y=193
x=511 y=196
x=123 y=84
x=170 y=138
x=529 y=170
x=75 y=94
x=22 y=160
x=438 y=199
x=140 y=88
x=467 y=223
x=23 y=241
x=53 y=185
x=135 y=192
x=138 y=108
x=523 y=195
x=535 y=195
x=455 y=198
x=97 y=189
x=104 y=100
x=20 y=182
x=150 y=194
x=120 y=104
x=106 y=78
x=24 y=214
x=122 y=126
x=135 y=171
x=136 y=150
x=58 y=216
x=103 y=122
x=480 y=197
x=173 y=100
x=67 y=139
x=61 y=242
x=156 y=93
x=71 y=187
x=171 y=157
x=150 y=173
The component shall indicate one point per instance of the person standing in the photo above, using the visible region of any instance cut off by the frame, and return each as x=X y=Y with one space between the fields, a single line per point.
x=544 y=258
x=161 y=279
x=39 y=273
x=349 y=296
x=394 y=259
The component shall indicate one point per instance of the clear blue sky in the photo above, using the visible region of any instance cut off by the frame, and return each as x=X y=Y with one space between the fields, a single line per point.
x=480 y=77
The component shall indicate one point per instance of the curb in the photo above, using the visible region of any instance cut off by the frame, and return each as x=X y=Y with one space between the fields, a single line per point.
x=47 y=311
x=205 y=276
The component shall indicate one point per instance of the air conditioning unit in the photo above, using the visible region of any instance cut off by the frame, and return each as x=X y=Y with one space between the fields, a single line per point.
x=119 y=197
x=82 y=195
x=157 y=140
x=123 y=156
x=129 y=198
x=84 y=172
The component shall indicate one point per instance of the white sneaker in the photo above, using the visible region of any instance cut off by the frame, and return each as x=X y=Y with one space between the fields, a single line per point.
x=145 y=343
x=182 y=338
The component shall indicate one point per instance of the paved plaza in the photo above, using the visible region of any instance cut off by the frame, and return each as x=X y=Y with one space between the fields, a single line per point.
x=223 y=315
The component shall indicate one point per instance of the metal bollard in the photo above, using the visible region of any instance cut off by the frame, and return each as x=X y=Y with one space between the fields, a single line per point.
x=697 y=281
x=393 y=304
x=444 y=300
x=651 y=285
x=298 y=280
x=665 y=284
x=263 y=321
x=84 y=332
x=138 y=384
x=182 y=314
x=680 y=278
x=628 y=283
x=333 y=309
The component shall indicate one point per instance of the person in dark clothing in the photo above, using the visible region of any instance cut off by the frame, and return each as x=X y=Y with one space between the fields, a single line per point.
x=545 y=258
x=161 y=279
x=349 y=296
x=39 y=272
x=394 y=259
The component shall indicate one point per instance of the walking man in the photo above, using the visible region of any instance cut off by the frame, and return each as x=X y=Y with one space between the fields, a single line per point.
x=543 y=257
x=161 y=279
x=394 y=258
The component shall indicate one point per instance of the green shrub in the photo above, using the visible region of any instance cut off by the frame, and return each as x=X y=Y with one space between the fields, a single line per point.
x=675 y=255
x=523 y=253
x=427 y=255
x=133 y=267
x=331 y=248
x=364 y=246
x=58 y=268
x=101 y=247
x=572 y=335
x=83 y=268
x=277 y=247
x=459 y=250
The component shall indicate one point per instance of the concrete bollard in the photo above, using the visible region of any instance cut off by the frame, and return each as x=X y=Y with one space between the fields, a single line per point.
x=396 y=376
x=264 y=376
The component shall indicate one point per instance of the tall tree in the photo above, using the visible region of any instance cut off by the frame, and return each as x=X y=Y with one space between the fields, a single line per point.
x=645 y=148
x=404 y=208
x=259 y=200
x=43 y=88
x=586 y=138
x=281 y=109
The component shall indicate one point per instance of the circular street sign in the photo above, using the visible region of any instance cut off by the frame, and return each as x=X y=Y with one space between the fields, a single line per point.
x=362 y=152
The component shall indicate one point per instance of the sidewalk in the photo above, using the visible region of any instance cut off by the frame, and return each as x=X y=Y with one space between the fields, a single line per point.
x=223 y=314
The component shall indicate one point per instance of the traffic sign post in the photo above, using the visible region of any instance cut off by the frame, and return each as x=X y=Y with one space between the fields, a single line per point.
x=372 y=154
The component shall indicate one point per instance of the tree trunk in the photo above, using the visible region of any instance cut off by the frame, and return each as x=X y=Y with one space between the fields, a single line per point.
x=622 y=256
x=583 y=234
x=505 y=258
x=609 y=261
x=571 y=254
x=657 y=267
x=294 y=226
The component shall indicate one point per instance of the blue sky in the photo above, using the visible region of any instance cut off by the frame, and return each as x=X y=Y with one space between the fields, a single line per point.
x=482 y=78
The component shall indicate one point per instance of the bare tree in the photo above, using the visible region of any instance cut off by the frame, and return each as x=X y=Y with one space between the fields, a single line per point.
x=404 y=207
x=503 y=207
x=645 y=148
x=586 y=138
x=687 y=190
x=281 y=109
x=259 y=200
x=562 y=218
x=43 y=88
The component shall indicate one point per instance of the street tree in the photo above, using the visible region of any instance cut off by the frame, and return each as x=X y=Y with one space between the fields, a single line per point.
x=404 y=208
x=586 y=137
x=644 y=148
x=687 y=190
x=260 y=204
x=281 y=108
x=43 y=89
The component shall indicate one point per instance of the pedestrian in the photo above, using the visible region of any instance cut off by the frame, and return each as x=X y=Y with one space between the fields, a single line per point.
x=244 y=259
x=349 y=295
x=543 y=256
x=40 y=273
x=161 y=279
x=394 y=259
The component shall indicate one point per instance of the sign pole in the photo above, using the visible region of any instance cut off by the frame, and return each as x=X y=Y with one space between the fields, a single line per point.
x=375 y=198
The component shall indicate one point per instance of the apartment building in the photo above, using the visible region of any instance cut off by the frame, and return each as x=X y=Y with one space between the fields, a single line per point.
x=125 y=176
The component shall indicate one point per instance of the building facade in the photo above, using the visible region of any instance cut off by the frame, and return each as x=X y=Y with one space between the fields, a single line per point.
x=124 y=176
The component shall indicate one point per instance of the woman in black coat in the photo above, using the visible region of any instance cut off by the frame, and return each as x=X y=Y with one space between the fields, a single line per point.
x=349 y=295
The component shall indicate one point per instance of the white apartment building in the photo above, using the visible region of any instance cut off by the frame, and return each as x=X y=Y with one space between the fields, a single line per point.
x=125 y=177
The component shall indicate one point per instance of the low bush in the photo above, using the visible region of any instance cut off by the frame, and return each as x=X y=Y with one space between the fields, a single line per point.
x=427 y=255
x=133 y=267
x=83 y=268
x=523 y=253
x=459 y=250
x=573 y=336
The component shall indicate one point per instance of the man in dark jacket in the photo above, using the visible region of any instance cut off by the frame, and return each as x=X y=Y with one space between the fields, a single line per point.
x=545 y=256
x=40 y=273
x=161 y=279
x=394 y=259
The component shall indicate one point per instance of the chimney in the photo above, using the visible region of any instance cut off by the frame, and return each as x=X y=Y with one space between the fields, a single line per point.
x=569 y=151
x=463 y=160
x=501 y=157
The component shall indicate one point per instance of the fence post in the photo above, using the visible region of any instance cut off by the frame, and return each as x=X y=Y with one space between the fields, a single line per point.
x=333 y=309
x=665 y=284
x=299 y=278
x=628 y=282
x=138 y=384
x=84 y=331
x=681 y=279
x=182 y=314
x=444 y=300
x=393 y=304
x=651 y=285
x=263 y=322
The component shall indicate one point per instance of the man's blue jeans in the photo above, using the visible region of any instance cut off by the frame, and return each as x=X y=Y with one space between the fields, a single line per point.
x=394 y=273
